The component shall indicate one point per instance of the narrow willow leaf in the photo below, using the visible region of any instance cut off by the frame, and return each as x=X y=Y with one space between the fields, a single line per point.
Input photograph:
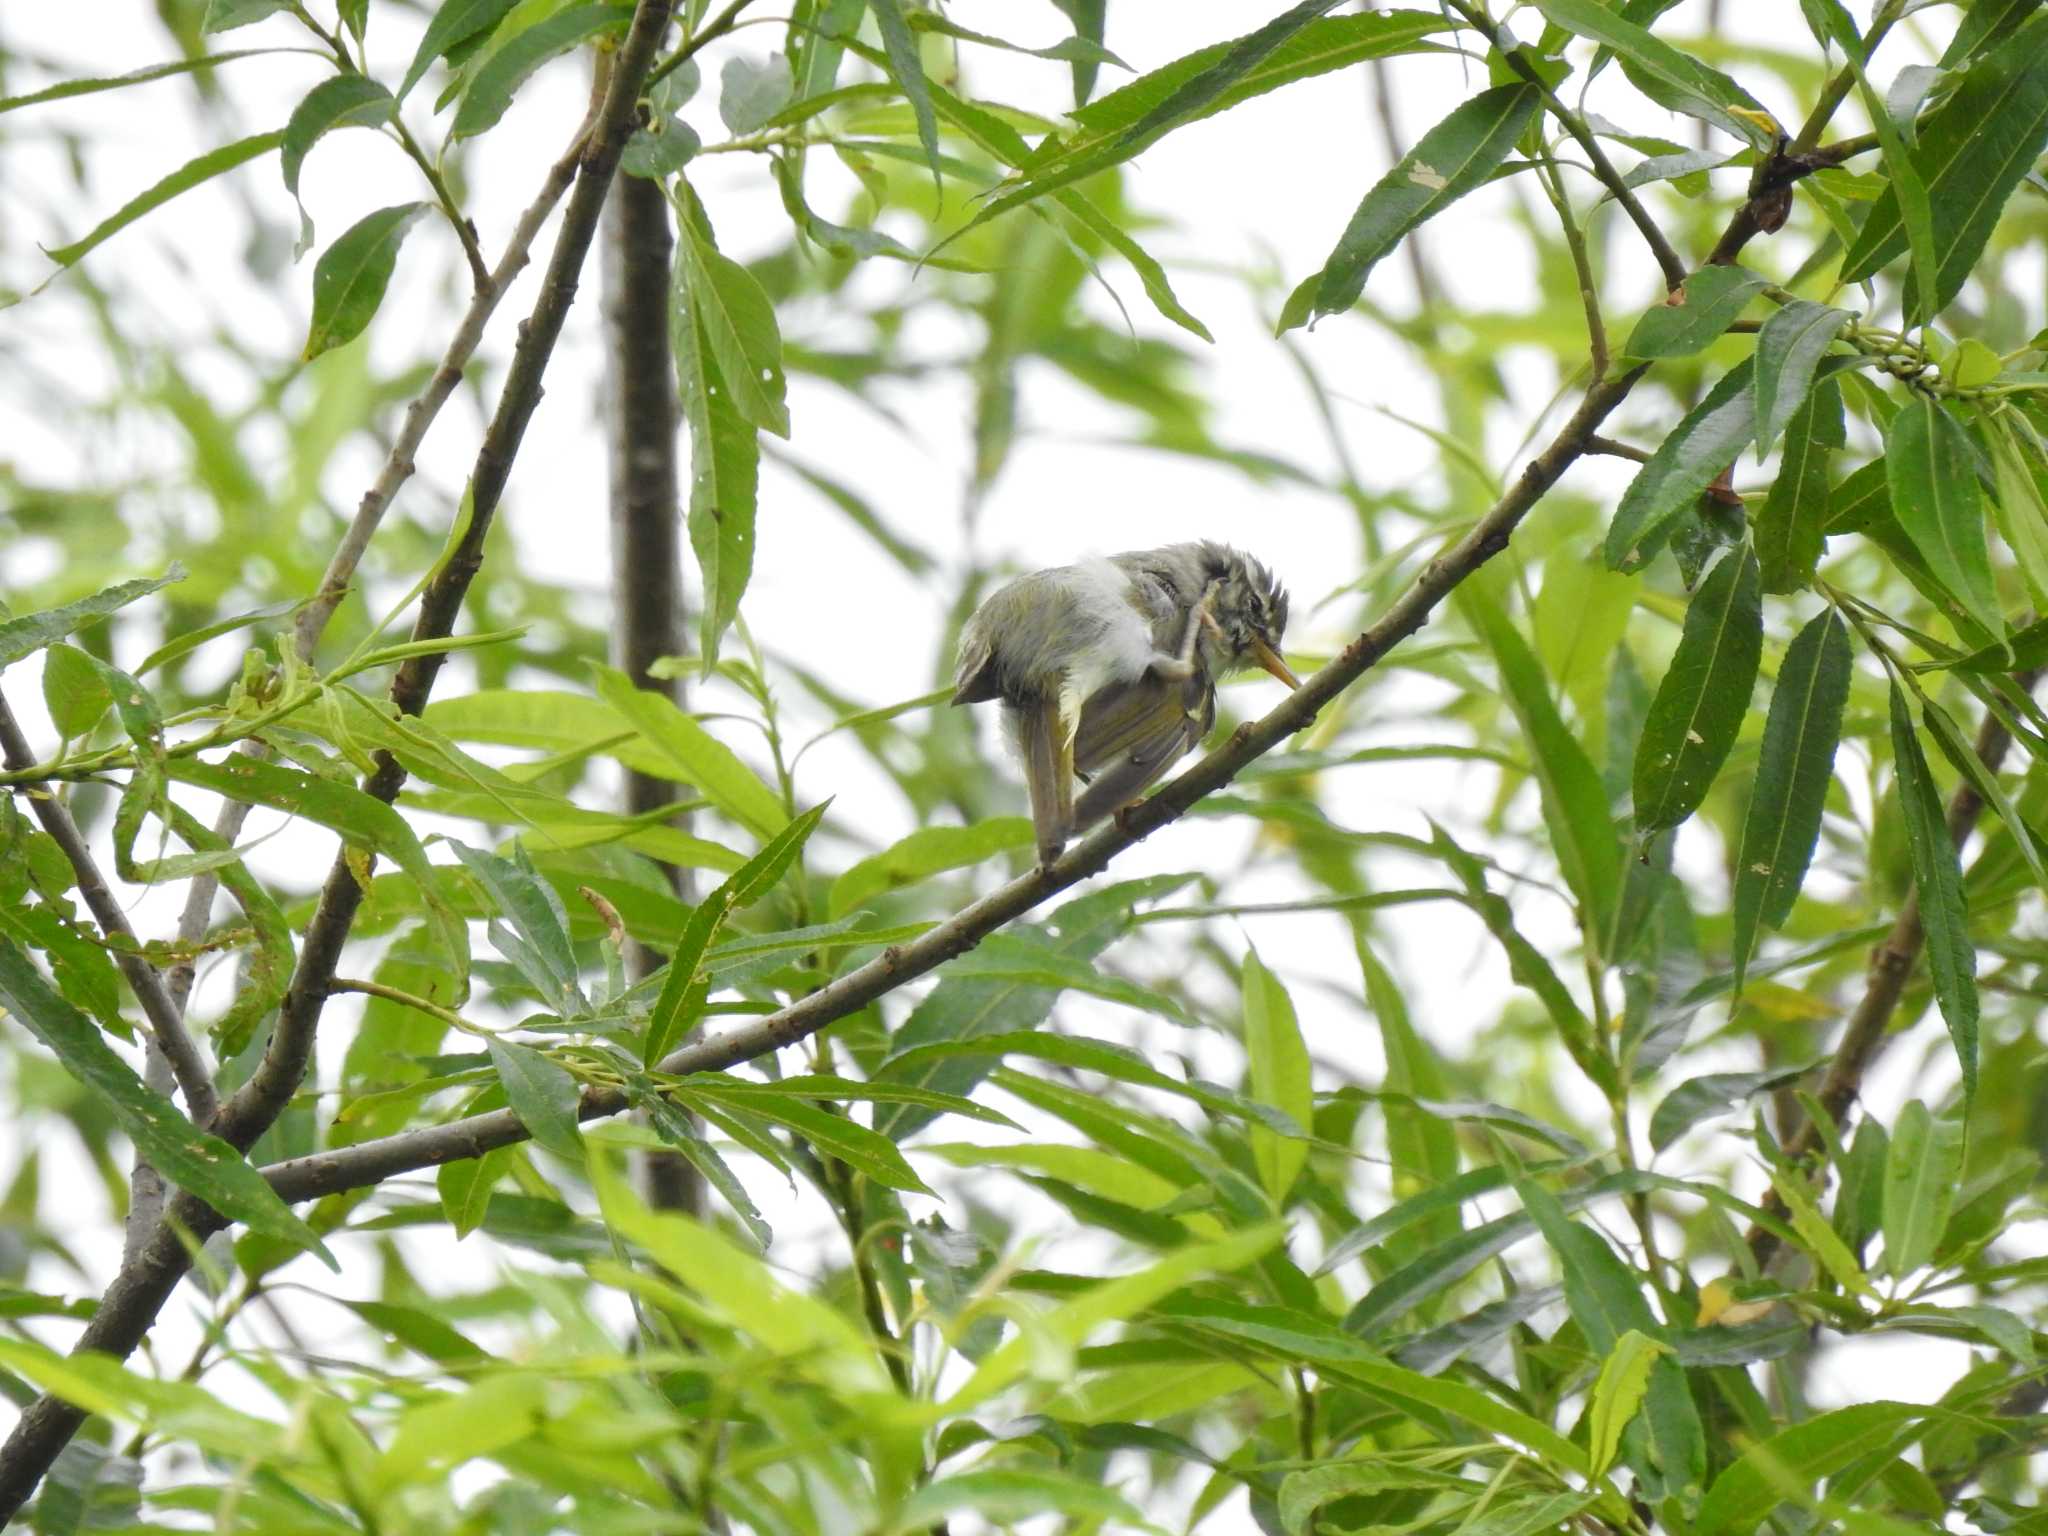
x=725 y=460
x=681 y=999
x=457 y=21
x=1151 y=275
x=1455 y=156
x=1574 y=800
x=350 y=278
x=1699 y=448
x=1073 y=50
x=1962 y=755
x=342 y=101
x=94 y=85
x=906 y=65
x=1795 y=1459
x=1618 y=1393
x=1668 y=1448
x=1714 y=1093
x=465 y=1188
x=1670 y=78
x=500 y=75
x=1304 y=1493
x=738 y=323
x=1790 y=531
x=1922 y=1170
x=198 y=1163
x=1021 y=957
x=362 y=820
x=1938 y=878
x=1970 y=155
x=1296 y=45
x=1793 y=771
x=927 y=851
x=1696 y=314
x=868 y=1153
x=1422 y=1147
x=541 y=1094
x=213 y=163
x=2021 y=506
x=529 y=926
x=706 y=762
x=29 y=633
x=1909 y=189
x=1279 y=1068
x=226 y=15
x=1788 y=350
x=1005 y=1496
x=1863 y=500
x=1700 y=705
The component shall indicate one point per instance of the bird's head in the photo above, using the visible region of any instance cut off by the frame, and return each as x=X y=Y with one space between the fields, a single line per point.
x=1245 y=615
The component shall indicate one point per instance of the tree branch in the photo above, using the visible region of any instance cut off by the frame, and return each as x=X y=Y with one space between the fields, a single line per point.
x=368 y=1162
x=143 y=1285
x=166 y=1019
x=1891 y=967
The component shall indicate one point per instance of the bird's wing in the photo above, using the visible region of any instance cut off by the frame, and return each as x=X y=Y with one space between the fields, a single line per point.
x=974 y=673
x=1131 y=733
x=1047 y=748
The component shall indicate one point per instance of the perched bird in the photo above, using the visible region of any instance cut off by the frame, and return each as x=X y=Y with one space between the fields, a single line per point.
x=1108 y=669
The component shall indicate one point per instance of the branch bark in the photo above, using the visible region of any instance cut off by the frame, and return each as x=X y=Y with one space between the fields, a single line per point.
x=166 y=1018
x=143 y=1285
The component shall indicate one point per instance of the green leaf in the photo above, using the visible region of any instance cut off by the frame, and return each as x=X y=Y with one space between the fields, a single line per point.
x=213 y=163
x=341 y=101
x=1304 y=1493
x=725 y=464
x=1922 y=1172
x=350 y=278
x=2021 y=506
x=682 y=990
x=1909 y=190
x=1150 y=273
x=500 y=75
x=1294 y=46
x=537 y=942
x=1280 y=1076
x=1971 y=152
x=704 y=761
x=1696 y=314
x=868 y=1153
x=1455 y=156
x=1670 y=78
x=1021 y=957
x=1793 y=772
x=791 y=1324
x=1618 y=1393
x=457 y=21
x=1004 y=1495
x=1422 y=1147
x=906 y=65
x=421 y=1332
x=738 y=324
x=198 y=1163
x=29 y=633
x=96 y=84
x=1938 y=878
x=927 y=851
x=1711 y=1094
x=1812 y=1232
x=226 y=15
x=75 y=691
x=1797 y=1458
x=465 y=1188
x=1111 y=1301
x=1789 y=531
x=1788 y=350
x=1075 y=50
x=1700 y=705
x=439 y=1433
x=542 y=1094
x=1699 y=448
x=362 y=821
x=1574 y=800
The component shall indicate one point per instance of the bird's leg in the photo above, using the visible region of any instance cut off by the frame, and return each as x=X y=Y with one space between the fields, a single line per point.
x=1180 y=666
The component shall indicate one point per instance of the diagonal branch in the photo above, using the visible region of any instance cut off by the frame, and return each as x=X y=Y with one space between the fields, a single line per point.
x=166 y=1019
x=368 y=1162
x=145 y=1282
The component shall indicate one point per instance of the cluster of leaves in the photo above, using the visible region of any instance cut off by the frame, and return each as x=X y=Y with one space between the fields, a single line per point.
x=1402 y=1303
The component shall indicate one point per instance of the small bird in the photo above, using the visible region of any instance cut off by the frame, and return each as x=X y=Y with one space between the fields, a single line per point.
x=1108 y=669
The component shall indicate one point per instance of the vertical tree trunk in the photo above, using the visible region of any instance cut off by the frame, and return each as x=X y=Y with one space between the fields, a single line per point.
x=641 y=423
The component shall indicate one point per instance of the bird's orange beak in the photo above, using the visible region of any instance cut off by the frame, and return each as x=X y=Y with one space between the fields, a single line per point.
x=1270 y=659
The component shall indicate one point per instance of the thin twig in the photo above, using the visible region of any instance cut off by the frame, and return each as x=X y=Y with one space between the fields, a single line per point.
x=1617 y=450
x=716 y=28
x=166 y=1020
x=1668 y=260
